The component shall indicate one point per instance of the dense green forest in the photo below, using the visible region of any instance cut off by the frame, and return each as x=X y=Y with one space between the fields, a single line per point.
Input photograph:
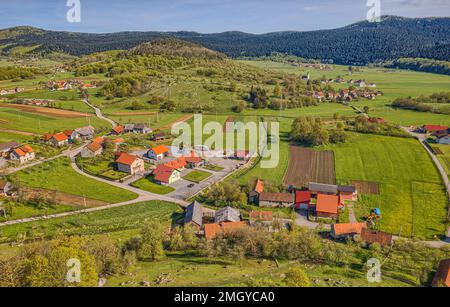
x=358 y=44
x=425 y=65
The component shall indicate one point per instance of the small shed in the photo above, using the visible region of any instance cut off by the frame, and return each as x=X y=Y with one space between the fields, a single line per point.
x=227 y=214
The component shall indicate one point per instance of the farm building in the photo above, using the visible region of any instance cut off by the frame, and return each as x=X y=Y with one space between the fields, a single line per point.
x=429 y=129
x=86 y=133
x=5 y=148
x=130 y=164
x=194 y=215
x=327 y=206
x=342 y=231
x=165 y=175
x=22 y=154
x=213 y=230
x=194 y=162
x=158 y=152
x=302 y=200
x=347 y=193
x=92 y=150
x=442 y=277
x=276 y=200
x=253 y=196
x=321 y=188
x=59 y=140
x=227 y=214
x=445 y=140
x=142 y=129
x=118 y=130
x=370 y=237
x=178 y=164
x=159 y=137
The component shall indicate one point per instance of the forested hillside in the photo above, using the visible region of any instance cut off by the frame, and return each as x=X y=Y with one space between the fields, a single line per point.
x=357 y=44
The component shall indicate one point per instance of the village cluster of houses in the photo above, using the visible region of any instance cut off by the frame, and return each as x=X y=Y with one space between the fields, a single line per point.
x=340 y=80
x=67 y=137
x=12 y=91
x=68 y=85
x=346 y=95
x=16 y=152
x=132 y=128
x=34 y=102
x=441 y=133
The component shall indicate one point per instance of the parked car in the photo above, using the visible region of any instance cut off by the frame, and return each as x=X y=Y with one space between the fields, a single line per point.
x=191 y=186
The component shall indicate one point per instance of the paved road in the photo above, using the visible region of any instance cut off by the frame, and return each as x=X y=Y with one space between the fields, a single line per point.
x=99 y=113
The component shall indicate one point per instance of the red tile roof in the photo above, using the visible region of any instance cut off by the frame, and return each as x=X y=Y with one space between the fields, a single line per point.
x=94 y=146
x=259 y=186
x=68 y=132
x=371 y=237
x=98 y=140
x=348 y=228
x=434 y=128
x=212 y=230
x=177 y=163
x=302 y=197
x=118 y=129
x=60 y=137
x=127 y=159
x=194 y=160
x=442 y=276
x=163 y=173
x=277 y=197
x=159 y=150
x=327 y=203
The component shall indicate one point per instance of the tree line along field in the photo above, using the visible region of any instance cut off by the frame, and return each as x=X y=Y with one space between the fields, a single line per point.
x=412 y=196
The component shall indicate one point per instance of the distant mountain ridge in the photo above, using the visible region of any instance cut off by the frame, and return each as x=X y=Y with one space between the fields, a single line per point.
x=357 y=44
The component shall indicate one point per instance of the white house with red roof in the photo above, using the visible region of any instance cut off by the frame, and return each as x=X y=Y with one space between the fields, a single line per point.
x=130 y=164
x=22 y=154
x=59 y=140
x=158 y=152
x=166 y=175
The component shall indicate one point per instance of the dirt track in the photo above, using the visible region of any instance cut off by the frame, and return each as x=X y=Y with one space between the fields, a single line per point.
x=180 y=120
x=46 y=111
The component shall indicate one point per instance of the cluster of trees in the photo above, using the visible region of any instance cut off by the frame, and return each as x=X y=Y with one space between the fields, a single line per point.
x=358 y=44
x=126 y=85
x=226 y=193
x=418 y=64
x=362 y=124
x=311 y=132
x=424 y=103
x=11 y=73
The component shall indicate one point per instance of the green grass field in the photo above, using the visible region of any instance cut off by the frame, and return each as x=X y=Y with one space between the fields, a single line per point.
x=197 y=176
x=413 y=199
x=58 y=175
x=127 y=219
x=147 y=184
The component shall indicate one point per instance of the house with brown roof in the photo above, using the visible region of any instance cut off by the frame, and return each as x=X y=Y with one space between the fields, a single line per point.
x=22 y=154
x=194 y=162
x=261 y=217
x=59 y=140
x=253 y=196
x=345 y=230
x=158 y=152
x=130 y=164
x=118 y=130
x=370 y=237
x=442 y=277
x=428 y=129
x=276 y=200
x=165 y=175
x=159 y=137
x=178 y=164
x=5 y=148
x=92 y=150
x=213 y=230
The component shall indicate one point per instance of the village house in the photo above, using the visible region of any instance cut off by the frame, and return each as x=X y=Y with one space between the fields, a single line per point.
x=158 y=153
x=213 y=230
x=276 y=200
x=92 y=150
x=302 y=200
x=72 y=135
x=118 y=130
x=59 y=140
x=347 y=230
x=130 y=164
x=5 y=148
x=22 y=154
x=194 y=215
x=128 y=128
x=194 y=162
x=429 y=129
x=86 y=133
x=165 y=175
x=142 y=129
x=178 y=164
x=227 y=214
x=317 y=188
x=253 y=196
x=327 y=206
x=442 y=277
x=157 y=137
x=371 y=237
x=347 y=193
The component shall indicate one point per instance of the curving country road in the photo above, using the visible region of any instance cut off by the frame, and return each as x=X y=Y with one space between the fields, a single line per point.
x=99 y=113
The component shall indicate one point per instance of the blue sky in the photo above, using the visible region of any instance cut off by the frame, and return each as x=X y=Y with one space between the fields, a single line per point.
x=207 y=16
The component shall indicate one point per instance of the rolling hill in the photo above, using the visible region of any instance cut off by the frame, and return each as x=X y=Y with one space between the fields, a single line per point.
x=357 y=44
